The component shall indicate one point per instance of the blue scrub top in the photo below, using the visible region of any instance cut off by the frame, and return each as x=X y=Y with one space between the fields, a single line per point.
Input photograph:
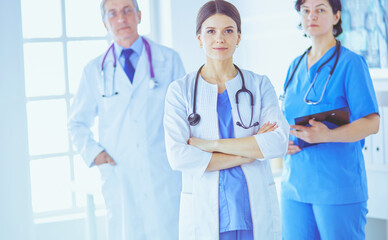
x=328 y=173
x=234 y=208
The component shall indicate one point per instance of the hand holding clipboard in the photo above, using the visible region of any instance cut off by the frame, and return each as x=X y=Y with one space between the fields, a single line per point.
x=332 y=119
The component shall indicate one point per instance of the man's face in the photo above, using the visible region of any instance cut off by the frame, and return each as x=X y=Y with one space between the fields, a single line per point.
x=121 y=20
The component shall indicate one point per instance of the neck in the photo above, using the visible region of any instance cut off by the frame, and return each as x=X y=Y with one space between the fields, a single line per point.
x=127 y=43
x=218 y=72
x=321 y=45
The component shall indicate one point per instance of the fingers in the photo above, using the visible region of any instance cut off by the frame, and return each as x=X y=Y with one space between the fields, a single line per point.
x=298 y=127
x=290 y=152
x=103 y=158
x=110 y=160
x=292 y=149
x=314 y=123
x=191 y=141
x=267 y=127
x=294 y=133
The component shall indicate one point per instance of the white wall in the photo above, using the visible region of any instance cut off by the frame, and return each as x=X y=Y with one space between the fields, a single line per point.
x=15 y=196
x=270 y=38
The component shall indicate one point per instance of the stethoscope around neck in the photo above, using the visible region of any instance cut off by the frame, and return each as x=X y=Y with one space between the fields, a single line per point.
x=307 y=101
x=152 y=83
x=194 y=118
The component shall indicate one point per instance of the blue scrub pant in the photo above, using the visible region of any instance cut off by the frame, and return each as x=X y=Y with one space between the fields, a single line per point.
x=237 y=235
x=304 y=221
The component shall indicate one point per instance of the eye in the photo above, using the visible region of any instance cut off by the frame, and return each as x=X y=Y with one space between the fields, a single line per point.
x=321 y=10
x=304 y=12
x=128 y=10
x=229 y=31
x=111 y=14
x=210 y=31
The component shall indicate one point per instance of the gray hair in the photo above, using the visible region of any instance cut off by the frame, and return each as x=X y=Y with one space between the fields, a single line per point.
x=102 y=7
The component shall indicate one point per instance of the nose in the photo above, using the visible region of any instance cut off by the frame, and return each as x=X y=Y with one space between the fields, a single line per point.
x=120 y=17
x=312 y=16
x=220 y=38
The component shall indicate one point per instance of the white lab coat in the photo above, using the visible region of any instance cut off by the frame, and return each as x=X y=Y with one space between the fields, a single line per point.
x=142 y=192
x=199 y=209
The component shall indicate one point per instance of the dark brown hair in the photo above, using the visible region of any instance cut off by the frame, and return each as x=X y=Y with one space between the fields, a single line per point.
x=335 y=5
x=218 y=7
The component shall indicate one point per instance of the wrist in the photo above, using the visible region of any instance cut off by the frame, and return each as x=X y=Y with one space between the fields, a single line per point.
x=215 y=145
x=328 y=136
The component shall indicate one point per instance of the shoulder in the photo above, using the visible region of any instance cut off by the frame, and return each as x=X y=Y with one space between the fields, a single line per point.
x=296 y=60
x=95 y=62
x=183 y=85
x=350 y=57
x=184 y=82
x=255 y=78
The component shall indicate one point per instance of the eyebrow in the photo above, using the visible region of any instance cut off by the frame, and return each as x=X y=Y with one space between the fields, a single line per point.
x=225 y=27
x=319 y=5
x=114 y=9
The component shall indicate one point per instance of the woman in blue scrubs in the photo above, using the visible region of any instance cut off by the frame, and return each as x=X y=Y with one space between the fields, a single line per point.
x=324 y=190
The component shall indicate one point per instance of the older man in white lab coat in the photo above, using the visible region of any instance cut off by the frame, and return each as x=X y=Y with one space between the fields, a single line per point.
x=141 y=191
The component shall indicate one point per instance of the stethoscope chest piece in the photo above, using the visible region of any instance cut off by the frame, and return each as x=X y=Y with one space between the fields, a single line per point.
x=153 y=84
x=194 y=119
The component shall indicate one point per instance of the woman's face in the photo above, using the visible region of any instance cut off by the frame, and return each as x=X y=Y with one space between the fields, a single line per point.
x=219 y=37
x=317 y=18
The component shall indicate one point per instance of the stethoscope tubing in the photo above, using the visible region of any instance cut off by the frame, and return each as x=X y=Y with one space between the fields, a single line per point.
x=194 y=117
x=112 y=49
x=336 y=53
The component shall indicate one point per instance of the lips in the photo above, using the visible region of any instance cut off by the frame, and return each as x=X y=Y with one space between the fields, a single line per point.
x=123 y=28
x=219 y=49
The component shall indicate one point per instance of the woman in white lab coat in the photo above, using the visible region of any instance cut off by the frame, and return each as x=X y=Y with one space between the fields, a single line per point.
x=228 y=191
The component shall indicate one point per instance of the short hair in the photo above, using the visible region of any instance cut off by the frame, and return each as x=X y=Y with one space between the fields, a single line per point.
x=102 y=7
x=218 y=7
x=335 y=5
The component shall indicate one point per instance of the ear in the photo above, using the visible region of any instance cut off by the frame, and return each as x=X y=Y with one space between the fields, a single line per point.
x=199 y=40
x=238 y=38
x=106 y=27
x=337 y=17
x=138 y=17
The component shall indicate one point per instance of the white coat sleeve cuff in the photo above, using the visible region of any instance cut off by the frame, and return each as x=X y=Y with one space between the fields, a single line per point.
x=205 y=163
x=271 y=145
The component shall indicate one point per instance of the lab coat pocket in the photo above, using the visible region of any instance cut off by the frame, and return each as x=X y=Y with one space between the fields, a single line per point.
x=186 y=217
x=106 y=170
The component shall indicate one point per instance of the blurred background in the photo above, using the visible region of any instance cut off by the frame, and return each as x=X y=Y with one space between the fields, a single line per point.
x=46 y=191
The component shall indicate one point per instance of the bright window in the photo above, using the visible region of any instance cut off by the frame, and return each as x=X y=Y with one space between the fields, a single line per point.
x=59 y=40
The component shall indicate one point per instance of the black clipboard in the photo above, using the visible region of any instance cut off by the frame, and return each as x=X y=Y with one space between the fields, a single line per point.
x=332 y=119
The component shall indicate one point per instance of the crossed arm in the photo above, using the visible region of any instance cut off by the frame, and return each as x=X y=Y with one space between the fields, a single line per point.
x=232 y=152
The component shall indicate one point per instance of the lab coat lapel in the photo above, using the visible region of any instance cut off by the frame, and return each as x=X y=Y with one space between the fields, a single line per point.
x=122 y=79
x=142 y=74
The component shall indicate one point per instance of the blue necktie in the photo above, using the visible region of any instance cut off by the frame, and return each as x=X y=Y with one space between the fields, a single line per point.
x=128 y=67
